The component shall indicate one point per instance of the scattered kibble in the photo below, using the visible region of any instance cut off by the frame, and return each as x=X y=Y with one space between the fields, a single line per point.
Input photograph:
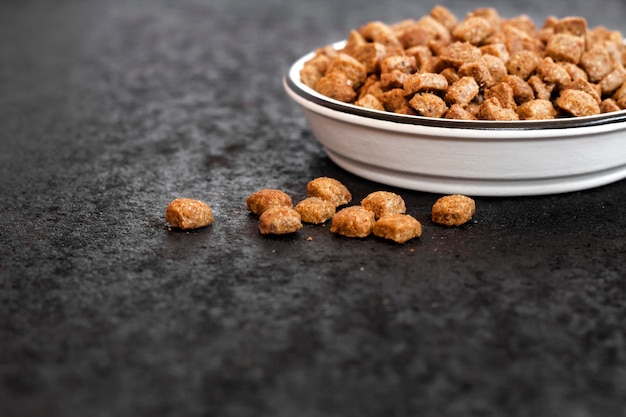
x=188 y=213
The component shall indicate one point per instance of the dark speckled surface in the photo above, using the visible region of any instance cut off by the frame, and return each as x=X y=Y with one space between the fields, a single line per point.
x=108 y=110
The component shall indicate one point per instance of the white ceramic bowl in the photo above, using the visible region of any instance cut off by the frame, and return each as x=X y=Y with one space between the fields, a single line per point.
x=480 y=158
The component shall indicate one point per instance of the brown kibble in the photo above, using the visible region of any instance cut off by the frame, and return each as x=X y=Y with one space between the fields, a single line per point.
x=336 y=85
x=279 y=221
x=462 y=91
x=553 y=73
x=329 y=189
x=315 y=210
x=458 y=112
x=354 y=221
x=397 y=227
x=429 y=82
x=523 y=64
x=383 y=203
x=609 y=105
x=542 y=90
x=587 y=87
x=491 y=109
x=522 y=91
x=459 y=53
x=578 y=103
x=474 y=29
x=428 y=105
x=188 y=213
x=613 y=80
x=564 y=47
x=453 y=210
x=369 y=101
x=444 y=16
x=350 y=67
x=314 y=69
x=267 y=198
x=504 y=93
x=394 y=100
x=536 y=110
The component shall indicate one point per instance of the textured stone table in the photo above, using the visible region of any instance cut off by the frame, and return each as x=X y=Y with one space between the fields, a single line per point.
x=110 y=109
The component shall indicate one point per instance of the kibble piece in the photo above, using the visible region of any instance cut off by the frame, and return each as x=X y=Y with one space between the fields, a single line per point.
x=372 y=86
x=536 y=110
x=353 y=221
x=497 y=49
x=587 y=87
x=458 y=112
x=578 y=103
x=381 y=33
x=504 y=93
x=542 y=90
x=523 y=64
x=369 y=54
x=459 y=53
x=188 y=213
x=398 y=227
x=352 y=68
x=444 y=16
x=474 y=29
x=564 y=47
x=462 y=91
x=609 y=105
x=522 y=91
x=573 y=25
x=613 y=80
x=314 y=69
x=369 y=101
x=394 y=100
x=279 y=221
x=430 y=82
x=428 y=105
x=491 y=109
x=453 y=210
x=597 y=62
x=267 y=198
x=479 y=71
x=336 y=85
x=329 y=189
x=315 y=210
x=553 y=73
x=383 y=203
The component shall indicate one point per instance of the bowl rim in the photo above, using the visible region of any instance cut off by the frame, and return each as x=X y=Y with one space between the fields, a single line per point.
x=292 y=80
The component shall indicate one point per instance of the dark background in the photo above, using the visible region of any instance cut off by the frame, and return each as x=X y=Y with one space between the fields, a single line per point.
x=110 y=109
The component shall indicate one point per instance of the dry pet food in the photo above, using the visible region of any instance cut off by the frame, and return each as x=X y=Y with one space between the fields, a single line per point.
x=453 y=210
x=187 y=213
x=329 y=189
x=354 y=221
x=279 y=221
x=397 y=227
x=267 y=198
x=383 y=203
x=315 y=210
x=483 y=66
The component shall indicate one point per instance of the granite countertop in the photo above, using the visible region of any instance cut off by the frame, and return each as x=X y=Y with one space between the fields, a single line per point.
x=109 y=110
